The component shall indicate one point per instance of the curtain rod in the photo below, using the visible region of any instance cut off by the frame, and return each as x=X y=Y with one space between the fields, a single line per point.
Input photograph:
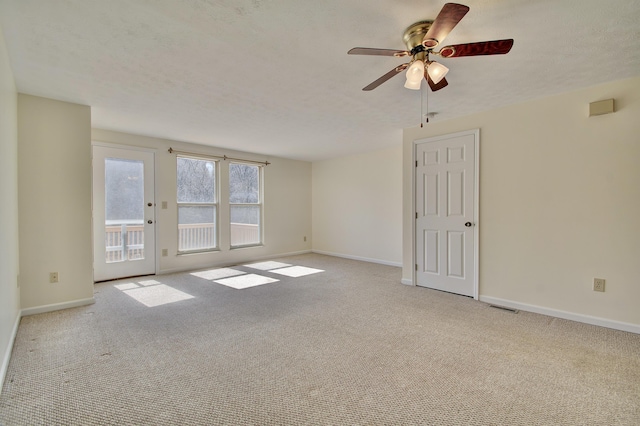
x=223 y=157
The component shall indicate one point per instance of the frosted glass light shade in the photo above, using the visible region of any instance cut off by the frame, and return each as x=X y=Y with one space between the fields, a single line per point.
x=413 y=85
x=415 y=72
x=437 y=71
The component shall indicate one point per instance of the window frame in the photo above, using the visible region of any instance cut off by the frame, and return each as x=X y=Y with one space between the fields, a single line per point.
x=260 y=204
x=215 y=204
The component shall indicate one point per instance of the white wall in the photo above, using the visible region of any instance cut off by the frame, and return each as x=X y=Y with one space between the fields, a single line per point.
x=9 y=266
x=54 y=193
x=287 y=204
x=357 y=203
x=559 y=202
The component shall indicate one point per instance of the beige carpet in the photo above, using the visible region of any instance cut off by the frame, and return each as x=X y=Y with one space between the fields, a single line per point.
x=350 y=345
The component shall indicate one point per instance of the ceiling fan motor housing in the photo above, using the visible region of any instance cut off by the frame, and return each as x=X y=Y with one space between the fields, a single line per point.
x=414 y=34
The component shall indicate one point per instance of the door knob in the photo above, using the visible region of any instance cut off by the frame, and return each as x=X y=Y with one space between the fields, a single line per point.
x=149 y=221
x=468 y=224
x=149 y=204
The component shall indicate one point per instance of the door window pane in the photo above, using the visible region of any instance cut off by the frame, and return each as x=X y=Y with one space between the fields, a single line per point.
x=124 y=210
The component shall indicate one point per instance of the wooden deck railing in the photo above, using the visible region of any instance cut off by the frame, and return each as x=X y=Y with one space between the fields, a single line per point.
x=243 y=234
x=196 y=236
x=126 y=241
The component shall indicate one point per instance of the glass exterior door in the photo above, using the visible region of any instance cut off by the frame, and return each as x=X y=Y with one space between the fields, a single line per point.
x=123 y=213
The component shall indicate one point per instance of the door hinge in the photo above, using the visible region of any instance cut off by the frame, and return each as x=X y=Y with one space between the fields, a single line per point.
x=416 y=266
x=416 y=163
x=416 y=215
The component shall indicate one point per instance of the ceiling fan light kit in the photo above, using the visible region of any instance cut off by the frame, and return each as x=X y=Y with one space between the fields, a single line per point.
x=421 y=38
x=413 y=85
x=437 y=71
x=415 y=74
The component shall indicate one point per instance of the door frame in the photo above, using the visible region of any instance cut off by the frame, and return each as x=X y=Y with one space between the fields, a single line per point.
x=156 y=254
x=476 y=203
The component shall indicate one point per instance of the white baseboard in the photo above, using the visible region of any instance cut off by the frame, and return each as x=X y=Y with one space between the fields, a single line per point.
x=587 y=319
x=57 y=306
x=362 y=259
x=8 y=350
x=406 y=281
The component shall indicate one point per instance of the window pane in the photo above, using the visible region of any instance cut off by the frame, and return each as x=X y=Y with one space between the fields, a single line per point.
x=245 y=225
x=244 y=183
x=196 y=180
x=196 y=227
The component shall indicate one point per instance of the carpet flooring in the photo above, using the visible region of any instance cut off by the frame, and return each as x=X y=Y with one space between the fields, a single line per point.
x=334 y=342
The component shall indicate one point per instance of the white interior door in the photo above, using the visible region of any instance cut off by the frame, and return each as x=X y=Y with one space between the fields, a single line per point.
x=123 y=213
x=446 y=233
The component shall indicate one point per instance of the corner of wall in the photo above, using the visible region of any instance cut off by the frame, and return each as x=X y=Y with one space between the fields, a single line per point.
x=9 y=261
x=54 y=140
x=9 y=349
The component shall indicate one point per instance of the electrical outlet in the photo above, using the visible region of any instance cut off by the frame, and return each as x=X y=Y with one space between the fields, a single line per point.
x=164 y=205
x=165 y=252
x=598 y=284
x=53 y=277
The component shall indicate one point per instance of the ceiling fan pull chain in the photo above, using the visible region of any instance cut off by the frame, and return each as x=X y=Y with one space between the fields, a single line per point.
x=421 y=103
x=427 y=116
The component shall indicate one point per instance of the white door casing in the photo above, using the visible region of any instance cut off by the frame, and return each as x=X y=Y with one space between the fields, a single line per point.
x=125 y=246
x=446 y=198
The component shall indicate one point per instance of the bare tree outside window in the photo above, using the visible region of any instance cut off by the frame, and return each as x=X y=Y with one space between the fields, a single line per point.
x=245 y=206
x=197 y=204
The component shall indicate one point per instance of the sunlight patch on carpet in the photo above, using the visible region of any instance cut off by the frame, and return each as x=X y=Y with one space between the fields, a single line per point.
x=266 y=266
x=152 y=293
x=216 y=274
x=149 y=282
x=126 y=286
x=246 y=281
x=296 y=271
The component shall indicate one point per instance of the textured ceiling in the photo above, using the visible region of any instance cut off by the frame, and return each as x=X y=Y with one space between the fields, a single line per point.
x=273 y=77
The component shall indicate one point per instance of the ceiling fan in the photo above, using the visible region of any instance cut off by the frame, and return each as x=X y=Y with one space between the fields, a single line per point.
x=424 y=36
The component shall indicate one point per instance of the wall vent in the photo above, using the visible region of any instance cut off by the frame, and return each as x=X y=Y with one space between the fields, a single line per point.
x=513 y=311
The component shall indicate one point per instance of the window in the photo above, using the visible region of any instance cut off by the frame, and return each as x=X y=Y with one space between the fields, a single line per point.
x=245 y=204
x=197 y=205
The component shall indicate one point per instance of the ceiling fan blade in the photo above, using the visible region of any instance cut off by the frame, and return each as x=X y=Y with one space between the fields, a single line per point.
x=435 y=87
x=377 y=52
x=494 y=47
x=446 y=20
x=385 y=77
